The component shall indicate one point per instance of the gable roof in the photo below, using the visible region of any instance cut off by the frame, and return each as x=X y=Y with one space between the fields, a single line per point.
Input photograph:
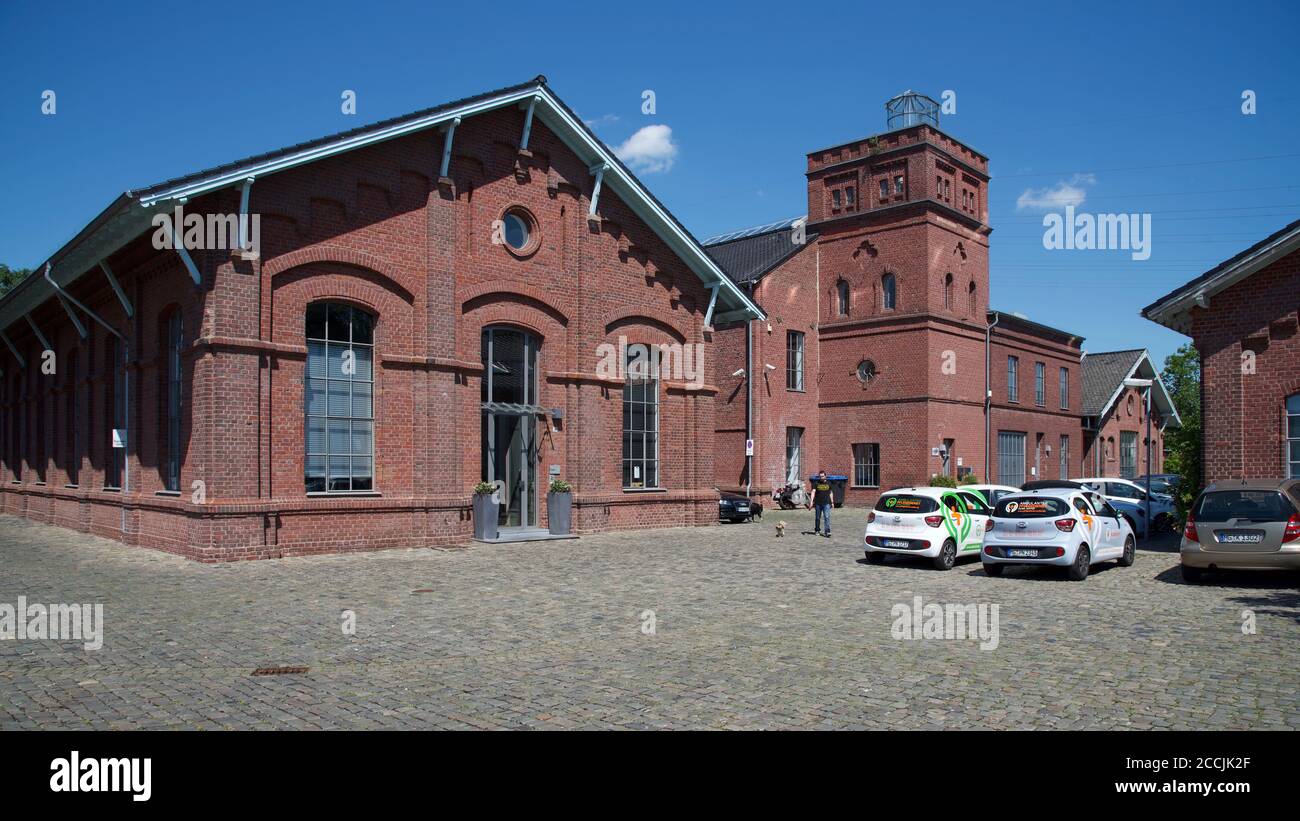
x=747 y=255
x=1173 y=310
x=132 y=212
x=1103 y=382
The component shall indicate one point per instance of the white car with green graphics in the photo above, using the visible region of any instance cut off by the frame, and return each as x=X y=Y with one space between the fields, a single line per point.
x=939 y=523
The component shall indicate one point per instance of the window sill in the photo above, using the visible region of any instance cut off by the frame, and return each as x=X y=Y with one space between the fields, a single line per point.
x=337 y=494
x=176 y=493
x=73 y=486
x=796 y=390
x=107 y=489
x=645 y=490
x=38 y=484
x=864 y=487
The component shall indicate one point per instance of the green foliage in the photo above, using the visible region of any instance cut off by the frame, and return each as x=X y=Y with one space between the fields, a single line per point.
x=560 y=486
x=942 y=481
x=484 y=488
x=968 y=479
x=1182 y=378
x=9 y=277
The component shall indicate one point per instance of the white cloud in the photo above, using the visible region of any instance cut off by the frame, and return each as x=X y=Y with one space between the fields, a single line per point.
x=603 y=119
x=650 y=150
x=1058 y=196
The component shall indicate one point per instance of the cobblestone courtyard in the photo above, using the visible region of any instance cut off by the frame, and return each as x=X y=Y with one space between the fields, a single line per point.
x=750 y=632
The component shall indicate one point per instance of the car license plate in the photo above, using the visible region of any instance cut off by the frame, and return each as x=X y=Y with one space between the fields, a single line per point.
x=1240 y=538
x=1022 y=553
x=742 y=508
x=894 y=543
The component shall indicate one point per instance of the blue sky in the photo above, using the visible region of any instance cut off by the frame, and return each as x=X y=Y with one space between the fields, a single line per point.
x=1119 y=107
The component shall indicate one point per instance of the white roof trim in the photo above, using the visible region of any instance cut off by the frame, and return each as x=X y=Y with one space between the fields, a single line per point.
x=1160 y=383
x=1173 y=313
x=573 y=134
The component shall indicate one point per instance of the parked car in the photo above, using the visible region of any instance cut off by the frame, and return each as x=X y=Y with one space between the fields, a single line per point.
x=736 y=507
x=1130 y=498
x=938 y=523
x=1251 y=524
x=1067 y=527
x=1164 y=483
x=993 y=493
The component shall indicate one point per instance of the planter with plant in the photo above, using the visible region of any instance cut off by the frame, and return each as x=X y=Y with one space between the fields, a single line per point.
x=559 y=507
x=485 y=511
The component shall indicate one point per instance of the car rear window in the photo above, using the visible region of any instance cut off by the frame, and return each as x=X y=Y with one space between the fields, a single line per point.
x=1030 y=508
x=906 y=503
x=1257 y=505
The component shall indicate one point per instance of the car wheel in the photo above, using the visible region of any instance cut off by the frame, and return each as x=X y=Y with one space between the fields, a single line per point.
x=1130 y=552
x=994 y=569
x=947 y=556
x=1082 y=563
x=875 y=558
x=1192 y=575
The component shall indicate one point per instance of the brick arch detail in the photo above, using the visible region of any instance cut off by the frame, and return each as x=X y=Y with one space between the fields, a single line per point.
x=669 y=323
x=337 y=255
x=464 y=296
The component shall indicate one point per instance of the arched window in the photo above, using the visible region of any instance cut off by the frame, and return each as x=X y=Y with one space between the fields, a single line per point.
x=971 y=306
x=889 y=296
x=1293 y=436
x=339 y=392
x=640 y=421
x=172 y=390
x=947 y=292
x=842 y=295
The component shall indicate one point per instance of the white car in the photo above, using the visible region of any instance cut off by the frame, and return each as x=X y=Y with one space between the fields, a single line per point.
x=1127 y=494
x=993 y=493
x=1067 y=528
x=938 y=523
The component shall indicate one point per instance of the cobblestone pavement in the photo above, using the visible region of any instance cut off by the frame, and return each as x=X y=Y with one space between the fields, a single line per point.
x=751 y=631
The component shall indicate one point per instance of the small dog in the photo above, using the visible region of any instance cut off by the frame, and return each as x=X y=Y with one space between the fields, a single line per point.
x=780 y=529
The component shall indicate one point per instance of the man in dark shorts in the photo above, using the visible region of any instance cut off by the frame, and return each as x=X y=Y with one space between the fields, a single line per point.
x=821 y=504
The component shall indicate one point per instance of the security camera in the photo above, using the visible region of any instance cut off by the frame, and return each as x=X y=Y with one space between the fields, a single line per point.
x=770 y=367
x=740 y=372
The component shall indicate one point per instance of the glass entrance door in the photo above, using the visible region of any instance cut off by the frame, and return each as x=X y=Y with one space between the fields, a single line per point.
x=509 y=409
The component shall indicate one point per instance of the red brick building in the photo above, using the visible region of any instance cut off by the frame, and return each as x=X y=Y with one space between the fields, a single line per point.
x=425 y=305
x=1242 y=318
x=1115 y=415
x=880 y=358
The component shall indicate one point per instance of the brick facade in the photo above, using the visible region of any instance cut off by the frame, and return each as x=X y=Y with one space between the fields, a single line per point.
x=376 y=229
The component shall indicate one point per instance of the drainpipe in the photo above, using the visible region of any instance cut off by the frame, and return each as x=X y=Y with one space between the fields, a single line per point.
x=988 y=391
x=749 y=396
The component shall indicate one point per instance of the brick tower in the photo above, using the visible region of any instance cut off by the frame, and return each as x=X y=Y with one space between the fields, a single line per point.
x=902 y=231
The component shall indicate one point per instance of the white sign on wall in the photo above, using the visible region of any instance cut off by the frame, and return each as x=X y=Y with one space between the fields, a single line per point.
x=119 y=437
x=749 y=447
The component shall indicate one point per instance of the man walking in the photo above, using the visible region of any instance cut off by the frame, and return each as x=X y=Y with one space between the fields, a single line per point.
x=821 y=504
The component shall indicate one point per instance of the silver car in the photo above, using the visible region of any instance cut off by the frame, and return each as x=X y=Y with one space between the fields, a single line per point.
x=1249 y=524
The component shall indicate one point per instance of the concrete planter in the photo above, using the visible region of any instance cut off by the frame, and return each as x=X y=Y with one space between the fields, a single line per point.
x=485 y=516
x=559 y=510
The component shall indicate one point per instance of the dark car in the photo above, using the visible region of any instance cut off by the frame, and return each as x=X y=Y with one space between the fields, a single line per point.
x=735 y=507
x=1165 y=483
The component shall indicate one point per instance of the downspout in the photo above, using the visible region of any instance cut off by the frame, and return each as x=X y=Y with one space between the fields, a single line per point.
x=749 y=396
x=988 y=391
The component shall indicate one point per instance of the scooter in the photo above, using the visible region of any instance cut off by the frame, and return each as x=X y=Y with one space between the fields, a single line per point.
x=790 y=496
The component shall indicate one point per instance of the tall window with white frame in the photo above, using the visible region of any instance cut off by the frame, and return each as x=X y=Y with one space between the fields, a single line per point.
x=640 y=425
x=1065 y=388
x=175 y=345
x=794 y=360
x=1013 y=379
x=793 y=455
x=866 y=464
x=339 y=391
x=1293 y=436
x=1040 y=384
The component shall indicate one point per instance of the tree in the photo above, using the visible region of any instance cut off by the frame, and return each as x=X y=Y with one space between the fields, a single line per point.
x=1182 y=378
x=9 y=277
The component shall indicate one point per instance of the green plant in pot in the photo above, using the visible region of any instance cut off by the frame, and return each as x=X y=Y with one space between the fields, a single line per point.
x=559 y=507
x=485 y=511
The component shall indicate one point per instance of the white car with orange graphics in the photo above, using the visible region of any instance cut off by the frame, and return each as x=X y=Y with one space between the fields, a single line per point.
x=938 y=523
x=1064 y=527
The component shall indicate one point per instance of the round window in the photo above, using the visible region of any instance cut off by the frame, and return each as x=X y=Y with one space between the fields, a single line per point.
x=519 y=231
x=866 y=370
